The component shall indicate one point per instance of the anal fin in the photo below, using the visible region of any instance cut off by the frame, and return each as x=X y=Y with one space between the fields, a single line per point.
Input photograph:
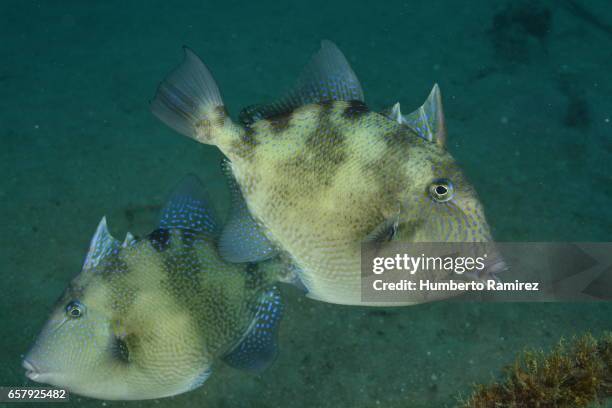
x=258 y=348
x=242 y=240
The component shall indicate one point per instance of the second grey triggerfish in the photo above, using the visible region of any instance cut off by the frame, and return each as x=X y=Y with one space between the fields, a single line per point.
x=149 y=318
x=321 y=173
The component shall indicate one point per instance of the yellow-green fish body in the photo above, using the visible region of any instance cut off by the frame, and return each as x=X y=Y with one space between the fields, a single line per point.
x=321 y=194
x=321 y=173
x=149 y=318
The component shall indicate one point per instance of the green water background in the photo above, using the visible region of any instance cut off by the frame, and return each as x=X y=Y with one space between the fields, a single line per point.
x=528 y=100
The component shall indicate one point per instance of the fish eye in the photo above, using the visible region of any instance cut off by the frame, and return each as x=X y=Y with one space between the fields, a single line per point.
x=441 y=190
x=75 y=309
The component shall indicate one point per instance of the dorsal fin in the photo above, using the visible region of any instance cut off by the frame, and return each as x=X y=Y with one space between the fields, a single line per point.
x=188 y=208
x=394 y=113
x=328 y=76
x=129 y=240
x=102 y=244
x=253 y=113
x=427 y=121
x=242 y=239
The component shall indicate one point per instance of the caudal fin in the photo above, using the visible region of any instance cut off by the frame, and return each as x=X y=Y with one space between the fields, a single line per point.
x=189 y=101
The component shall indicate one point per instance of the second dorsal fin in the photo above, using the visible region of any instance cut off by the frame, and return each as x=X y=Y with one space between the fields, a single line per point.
x=327 y=77
x=188 y=208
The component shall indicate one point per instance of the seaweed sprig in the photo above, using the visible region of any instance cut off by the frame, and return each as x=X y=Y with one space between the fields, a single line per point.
x=572 y=375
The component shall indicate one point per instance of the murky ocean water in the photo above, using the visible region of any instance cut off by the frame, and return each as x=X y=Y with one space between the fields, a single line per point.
x=528 y=100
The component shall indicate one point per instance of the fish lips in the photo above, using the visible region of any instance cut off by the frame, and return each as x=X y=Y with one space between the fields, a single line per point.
x=34 y=372
x=492 y=270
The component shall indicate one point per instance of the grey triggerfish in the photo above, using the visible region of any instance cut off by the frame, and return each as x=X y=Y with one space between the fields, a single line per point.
x=320 y=173
x=149 y=318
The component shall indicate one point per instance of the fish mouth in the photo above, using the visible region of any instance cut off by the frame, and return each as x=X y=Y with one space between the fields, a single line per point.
x=491 y=271
x=32 y=372
x=498 y=267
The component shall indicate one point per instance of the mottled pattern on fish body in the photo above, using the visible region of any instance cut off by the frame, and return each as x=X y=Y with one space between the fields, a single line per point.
x=321 y=178
x=154 y=314
x=321 y=173
x=181 y=287
x=168 y=286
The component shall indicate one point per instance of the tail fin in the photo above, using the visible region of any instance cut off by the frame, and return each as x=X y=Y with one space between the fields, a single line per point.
x=189 y=101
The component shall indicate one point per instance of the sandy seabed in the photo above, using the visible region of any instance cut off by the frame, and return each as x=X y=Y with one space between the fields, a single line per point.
x=527 y=93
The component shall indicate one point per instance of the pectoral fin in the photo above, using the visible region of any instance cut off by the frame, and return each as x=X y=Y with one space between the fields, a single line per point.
x=383 y=232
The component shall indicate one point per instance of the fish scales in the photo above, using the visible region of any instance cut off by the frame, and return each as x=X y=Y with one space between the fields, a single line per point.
x=320 y=173
x=150 y=317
